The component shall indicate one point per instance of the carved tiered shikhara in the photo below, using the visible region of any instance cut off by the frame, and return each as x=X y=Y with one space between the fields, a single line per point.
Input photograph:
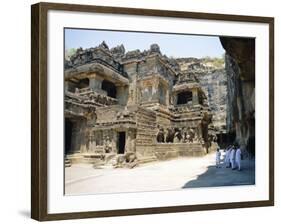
x=135 y=106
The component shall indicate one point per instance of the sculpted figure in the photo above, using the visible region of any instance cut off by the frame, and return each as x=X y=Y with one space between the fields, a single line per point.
x=170 y=135
x=184 y=135
x=191 y=135
x=108 y=145
x=177 y=136
x=104 y=45
x=196 y=139
x=128 y=160
x=126 y=112
x=160 y=135
x=76 y=91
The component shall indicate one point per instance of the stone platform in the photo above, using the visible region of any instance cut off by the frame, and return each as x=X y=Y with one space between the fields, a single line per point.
x=165 y=151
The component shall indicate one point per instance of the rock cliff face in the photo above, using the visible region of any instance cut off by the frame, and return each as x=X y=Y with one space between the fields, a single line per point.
x=211 y=75
x=240 y=70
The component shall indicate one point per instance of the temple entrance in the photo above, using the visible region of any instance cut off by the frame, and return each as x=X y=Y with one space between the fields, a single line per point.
x=110 y=88
x=68 y=125
x=121 y=142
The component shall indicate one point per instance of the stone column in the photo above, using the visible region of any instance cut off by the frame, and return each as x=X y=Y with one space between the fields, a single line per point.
x=195 y=99
x=83 y=135
x=173 y=99
x=114 y=141
x=167 y=97
x=95 y=82
x=92 y=143
x=128 y=141
x=82 y=142
x=66 y=86
x=122 y=94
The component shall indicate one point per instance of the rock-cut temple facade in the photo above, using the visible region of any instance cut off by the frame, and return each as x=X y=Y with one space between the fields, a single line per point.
x=130 y=106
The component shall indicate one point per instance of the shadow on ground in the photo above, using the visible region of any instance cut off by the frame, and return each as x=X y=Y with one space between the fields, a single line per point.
x=215 y=177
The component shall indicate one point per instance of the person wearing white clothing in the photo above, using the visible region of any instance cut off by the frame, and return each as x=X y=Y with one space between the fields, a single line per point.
x=232 y=157
x=238 y=158
x=227 y=157
x=218 y=158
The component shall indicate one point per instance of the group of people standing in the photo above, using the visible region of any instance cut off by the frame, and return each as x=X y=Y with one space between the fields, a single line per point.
x=232 y=159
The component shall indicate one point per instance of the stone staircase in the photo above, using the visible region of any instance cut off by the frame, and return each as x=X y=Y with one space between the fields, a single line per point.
x=96 y=159
x=67 y=162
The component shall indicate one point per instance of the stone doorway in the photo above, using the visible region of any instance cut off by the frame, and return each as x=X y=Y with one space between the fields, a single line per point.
x=121 y=142
x=68 y=126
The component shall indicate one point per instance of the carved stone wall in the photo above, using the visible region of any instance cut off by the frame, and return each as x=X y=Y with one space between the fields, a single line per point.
x=166 y=151
x=144 y=108
x=240 y=68
x=146 y=132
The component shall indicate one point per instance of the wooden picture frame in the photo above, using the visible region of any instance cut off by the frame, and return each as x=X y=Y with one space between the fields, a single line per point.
x=39 y=109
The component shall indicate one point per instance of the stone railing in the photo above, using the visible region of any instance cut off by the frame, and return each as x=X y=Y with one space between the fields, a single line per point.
x=187 y=108
x=83 y=90
x=98 y=98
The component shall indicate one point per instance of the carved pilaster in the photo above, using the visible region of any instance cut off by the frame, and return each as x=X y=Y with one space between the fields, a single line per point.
x=195 y=99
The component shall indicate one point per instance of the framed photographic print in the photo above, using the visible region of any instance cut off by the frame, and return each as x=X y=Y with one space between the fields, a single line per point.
x=140 y=111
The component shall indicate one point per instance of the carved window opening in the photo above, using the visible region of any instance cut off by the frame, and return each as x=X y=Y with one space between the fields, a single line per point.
x=184 y=97
x=110 y=88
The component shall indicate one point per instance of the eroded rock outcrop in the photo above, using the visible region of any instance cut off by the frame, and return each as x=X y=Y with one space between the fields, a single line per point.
x=211 y=75
x=240 y=70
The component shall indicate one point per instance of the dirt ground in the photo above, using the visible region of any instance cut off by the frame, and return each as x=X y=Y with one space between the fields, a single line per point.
x=174 y=174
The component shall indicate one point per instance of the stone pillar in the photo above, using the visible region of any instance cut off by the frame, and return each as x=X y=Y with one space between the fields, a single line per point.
x=132 y=94
x=128 y=141
x=167 y=97
x=92 y=143
x=114 y=142
x=173 y=99
x=95 y=82
x=82 y=135
x=66 y=86
x=122 y=94
x=83 y=147
x=195 y=99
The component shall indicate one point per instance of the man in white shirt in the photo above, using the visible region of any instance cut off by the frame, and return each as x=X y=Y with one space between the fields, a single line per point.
x=227 y=157
x=238 y=158
x=232 y=157
x=218 y=158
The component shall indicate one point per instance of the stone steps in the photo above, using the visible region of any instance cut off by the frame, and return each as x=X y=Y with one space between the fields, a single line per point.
x=67 y=162
x=90 y=158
